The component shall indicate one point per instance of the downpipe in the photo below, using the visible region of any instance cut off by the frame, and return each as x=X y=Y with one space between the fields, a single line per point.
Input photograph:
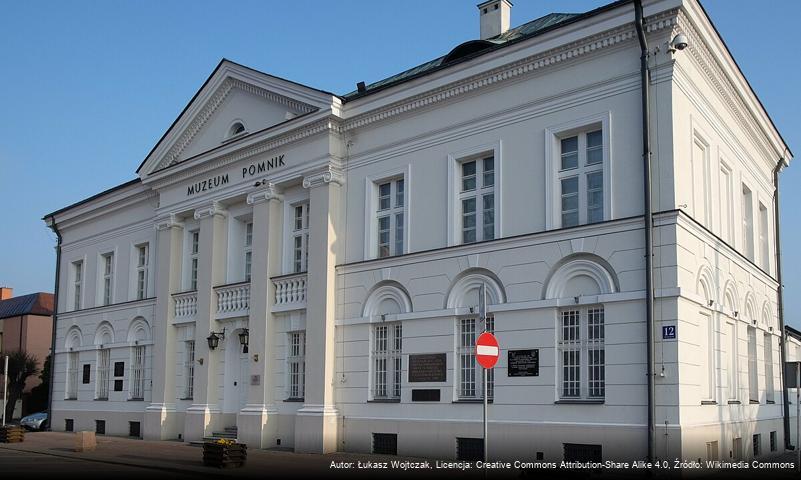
x=53 y=227
x=780 y=303
x=639 y=24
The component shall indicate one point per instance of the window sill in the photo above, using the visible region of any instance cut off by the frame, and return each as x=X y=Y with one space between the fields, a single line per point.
x=101 y=399
x=770 y=402
x=472 y=400
x=753 y=402
x=734 y=402
x=384 y=400
x=186 y=398
x=295 y=400
x=580 y=401
x=708 y=402
x=136 y=399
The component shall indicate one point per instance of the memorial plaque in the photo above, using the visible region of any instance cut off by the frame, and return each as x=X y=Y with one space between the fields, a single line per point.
x=425 y=395
x=523 y=363
x=119 y=369
x=431 y=367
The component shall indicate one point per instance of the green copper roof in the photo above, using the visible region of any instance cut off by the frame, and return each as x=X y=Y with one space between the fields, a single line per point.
x=469 y=49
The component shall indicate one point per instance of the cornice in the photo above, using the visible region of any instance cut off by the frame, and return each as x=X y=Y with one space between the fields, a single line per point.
x=168 y=221
x=729 y=93
x=330 y=174
x=104 y=205
x=514 y=70
x=329 y=124
x=266 y=193
x=211 y=106
x=215 y=208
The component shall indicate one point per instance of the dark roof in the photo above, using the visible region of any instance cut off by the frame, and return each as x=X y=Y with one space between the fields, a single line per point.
x=33 y=304
x=471 y=49
x=792 y=332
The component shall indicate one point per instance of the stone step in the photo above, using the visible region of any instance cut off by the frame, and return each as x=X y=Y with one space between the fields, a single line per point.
x=224 y=434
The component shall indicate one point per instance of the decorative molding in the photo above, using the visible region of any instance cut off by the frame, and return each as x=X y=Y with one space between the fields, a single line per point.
x=516 y=69
x=211 y=106
x=265 y=193
x=329 y=174
x=214 y=209
x=167 y=222
x=330 y=124
x=729 y=93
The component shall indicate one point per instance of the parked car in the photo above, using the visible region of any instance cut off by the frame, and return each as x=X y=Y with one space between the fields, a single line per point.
x=35 y=421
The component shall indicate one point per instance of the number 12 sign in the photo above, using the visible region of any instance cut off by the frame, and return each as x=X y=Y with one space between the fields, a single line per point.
x=669 y=332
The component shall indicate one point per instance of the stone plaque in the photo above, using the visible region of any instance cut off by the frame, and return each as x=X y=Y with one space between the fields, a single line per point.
x=523 y=363
x=430 y=367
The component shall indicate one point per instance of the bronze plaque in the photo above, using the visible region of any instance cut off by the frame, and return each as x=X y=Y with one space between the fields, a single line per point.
x=429 y=367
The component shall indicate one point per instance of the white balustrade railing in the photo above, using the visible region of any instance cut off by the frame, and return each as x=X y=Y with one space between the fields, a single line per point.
x=233 y=300
x=185 y=305
x=290 y=291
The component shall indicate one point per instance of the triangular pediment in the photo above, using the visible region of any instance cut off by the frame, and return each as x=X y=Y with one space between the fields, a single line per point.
x=233 y=95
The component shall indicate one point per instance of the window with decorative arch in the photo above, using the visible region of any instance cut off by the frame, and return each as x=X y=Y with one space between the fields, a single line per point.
x=383 y=304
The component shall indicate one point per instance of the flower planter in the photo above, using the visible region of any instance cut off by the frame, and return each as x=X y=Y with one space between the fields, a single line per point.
x=224 y=454
x=12 y=434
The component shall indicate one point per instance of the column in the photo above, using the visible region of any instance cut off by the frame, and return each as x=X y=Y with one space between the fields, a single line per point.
x=204 y=415
x=316 y=424
x=160 y=422
x=257 y=423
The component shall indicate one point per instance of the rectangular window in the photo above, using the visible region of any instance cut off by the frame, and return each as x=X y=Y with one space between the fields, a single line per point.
x=134 y=429
x=77 y=283
x=731 y=355
x=470 y=372
x=103 y=373
x=712 y=451
x=477 y=199
x=773 y=442
x=581 y=178
x=706 y=359
x=753 y=378
x=137 y=381
x=300 y=238
x=582 y=353
x=390 y=217
x=194 y=237
x=757 y=443
x=385 y=443
x=764 y=250
x=108 y=278
x=768 y=352
x=86 y=374
x=100 y=427
x=748 y=223
x=142 y=254
x=387 y=343
x=248 y=250
x=579 y=452
x=726 y=214
x=296 y=360
x=69 y=425
x=189 y=369
x=72 y=376
x=700 y=181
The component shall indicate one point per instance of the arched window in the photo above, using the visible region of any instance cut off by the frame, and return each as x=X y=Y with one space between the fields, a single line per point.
x=236 y=128
x=138 y=332
x=73 y=344
x=386 y=339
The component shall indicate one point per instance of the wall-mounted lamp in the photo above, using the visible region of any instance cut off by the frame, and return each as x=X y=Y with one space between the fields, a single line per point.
x=214 y=339
x=711 y=302
x=200 y=360
x=576 y=299
x=736 y=313
x=753 y=322
x=244 y=336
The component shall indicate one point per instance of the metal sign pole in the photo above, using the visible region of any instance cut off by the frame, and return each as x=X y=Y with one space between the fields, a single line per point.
x=482 y=312
x=5 y=389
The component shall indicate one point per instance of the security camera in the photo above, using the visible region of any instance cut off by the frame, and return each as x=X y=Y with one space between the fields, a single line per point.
x=679 y=42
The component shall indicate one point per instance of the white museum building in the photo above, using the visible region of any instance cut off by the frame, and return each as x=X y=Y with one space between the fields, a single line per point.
x=300 y=269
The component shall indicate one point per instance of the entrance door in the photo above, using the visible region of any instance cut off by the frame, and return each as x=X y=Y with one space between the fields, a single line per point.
x=237 y=375
x=244 y=376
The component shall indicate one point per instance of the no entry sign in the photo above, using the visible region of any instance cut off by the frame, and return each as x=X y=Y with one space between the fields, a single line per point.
x=487 y=350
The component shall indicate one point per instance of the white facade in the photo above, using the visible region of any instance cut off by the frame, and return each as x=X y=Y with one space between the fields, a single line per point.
x=339 y=231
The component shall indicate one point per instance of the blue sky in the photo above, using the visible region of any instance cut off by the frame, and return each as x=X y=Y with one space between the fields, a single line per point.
x=88 y=87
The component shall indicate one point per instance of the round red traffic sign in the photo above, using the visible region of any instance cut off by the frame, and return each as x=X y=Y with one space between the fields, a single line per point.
x=487 y=350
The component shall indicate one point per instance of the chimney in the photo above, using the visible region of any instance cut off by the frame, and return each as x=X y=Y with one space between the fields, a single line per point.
x=494 y=16
x=6 y=293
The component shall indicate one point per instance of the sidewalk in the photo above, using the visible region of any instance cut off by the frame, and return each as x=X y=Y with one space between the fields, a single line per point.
x=170 y=458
